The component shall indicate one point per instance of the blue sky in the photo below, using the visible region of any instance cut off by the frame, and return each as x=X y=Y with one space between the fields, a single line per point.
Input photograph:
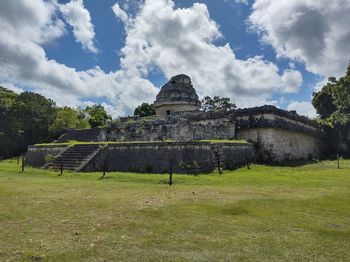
x=119 y=53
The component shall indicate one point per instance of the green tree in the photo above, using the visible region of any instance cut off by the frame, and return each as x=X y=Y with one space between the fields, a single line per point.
x=332 y=103
x=68 y=118
x=98 y=116
x=31 y=116
x=144 y=109
x=323 y=102
x=217 y=104
x=7 y=143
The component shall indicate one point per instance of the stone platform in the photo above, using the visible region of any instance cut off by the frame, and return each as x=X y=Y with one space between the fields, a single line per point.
x=143 y=157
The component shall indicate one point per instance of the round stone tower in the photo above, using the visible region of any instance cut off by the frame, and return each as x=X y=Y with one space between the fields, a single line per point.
x=178 y=95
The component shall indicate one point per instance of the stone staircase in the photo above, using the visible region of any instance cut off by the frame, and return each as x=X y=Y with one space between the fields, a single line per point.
x=75 y=157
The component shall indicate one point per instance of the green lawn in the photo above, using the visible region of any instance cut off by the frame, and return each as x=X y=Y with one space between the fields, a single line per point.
x=262 y=214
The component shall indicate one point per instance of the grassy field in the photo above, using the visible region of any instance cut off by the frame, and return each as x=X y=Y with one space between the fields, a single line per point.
x=262 y=214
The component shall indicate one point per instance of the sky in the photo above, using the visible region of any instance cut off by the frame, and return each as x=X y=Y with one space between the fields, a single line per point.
x=118 y=53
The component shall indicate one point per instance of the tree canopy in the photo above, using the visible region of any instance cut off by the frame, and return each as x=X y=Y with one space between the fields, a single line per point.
x=97 y=116
x=332 y=103
x=68 y=118
x=24 y=120
x=30 y=118
x=144 y=109
x=217 y=104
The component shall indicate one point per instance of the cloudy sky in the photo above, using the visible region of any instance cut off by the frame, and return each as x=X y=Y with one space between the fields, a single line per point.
x=119 y=53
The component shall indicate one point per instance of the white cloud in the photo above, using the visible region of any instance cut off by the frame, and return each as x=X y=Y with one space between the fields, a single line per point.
x=79 y=18
x=183 y=41
x=158 y=37
x=303 y=108
x=26 y=25
x=12 y=87
x=292 y=80
x=30 y=20
x=245 y=2
x=121 y=14
x=316 y=32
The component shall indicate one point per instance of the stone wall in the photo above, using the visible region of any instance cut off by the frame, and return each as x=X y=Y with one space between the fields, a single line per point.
x=273 y=117
x=37 y=155
x=163 y=108
x=177 y=127
x=275 y=144
x=83 y=135
x=187 y=126
x=156 y=157
x=189 y=157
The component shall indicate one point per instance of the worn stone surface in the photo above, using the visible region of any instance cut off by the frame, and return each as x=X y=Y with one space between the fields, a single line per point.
x=177 y=127
x=273 y=117
x=186 y=157
x=178 y=95
x=280 y=144
x=189 y=157
x=280 y=135
x=37 y=156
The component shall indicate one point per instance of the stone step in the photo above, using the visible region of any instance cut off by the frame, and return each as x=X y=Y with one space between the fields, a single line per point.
x=67 y=161
x=76 y=155
x=73 y=157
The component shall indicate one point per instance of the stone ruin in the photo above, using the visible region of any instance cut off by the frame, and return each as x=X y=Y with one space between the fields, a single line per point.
x=184 y=136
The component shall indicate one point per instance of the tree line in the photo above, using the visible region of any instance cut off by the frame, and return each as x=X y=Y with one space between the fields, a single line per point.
x=30 y=118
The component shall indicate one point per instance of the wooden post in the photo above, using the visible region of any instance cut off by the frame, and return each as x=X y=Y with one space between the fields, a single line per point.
x=171 y=173
x=219 y=164
x=23 y=163
x=17 y=160
x=247 y=161
x=104 y=168
x=61 y=167
x=105 y=164
x=338 y=150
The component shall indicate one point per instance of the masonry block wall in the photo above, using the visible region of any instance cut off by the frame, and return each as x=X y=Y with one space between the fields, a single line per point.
x=279 y=144
x=37 y=156
x=186 y=126
x=185 y=157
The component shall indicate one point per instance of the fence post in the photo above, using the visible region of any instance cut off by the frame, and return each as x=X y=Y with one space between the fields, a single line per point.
x=104 y=168
x=338 y=150
x=247 y=161
x=105 y=164
x=17 y=160
x=23 y=163
x=171 y=173
x=219 y=163
x=61 y=167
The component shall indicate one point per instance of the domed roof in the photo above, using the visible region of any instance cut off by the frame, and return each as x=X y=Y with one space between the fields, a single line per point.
x=179 y=88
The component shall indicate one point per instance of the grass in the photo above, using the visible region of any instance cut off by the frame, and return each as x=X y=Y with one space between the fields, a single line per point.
x=262 y=214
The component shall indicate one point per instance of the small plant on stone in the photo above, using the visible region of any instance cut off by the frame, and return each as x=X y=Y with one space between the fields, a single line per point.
x=49 y=158
x=190 y=166
x=122 y=139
